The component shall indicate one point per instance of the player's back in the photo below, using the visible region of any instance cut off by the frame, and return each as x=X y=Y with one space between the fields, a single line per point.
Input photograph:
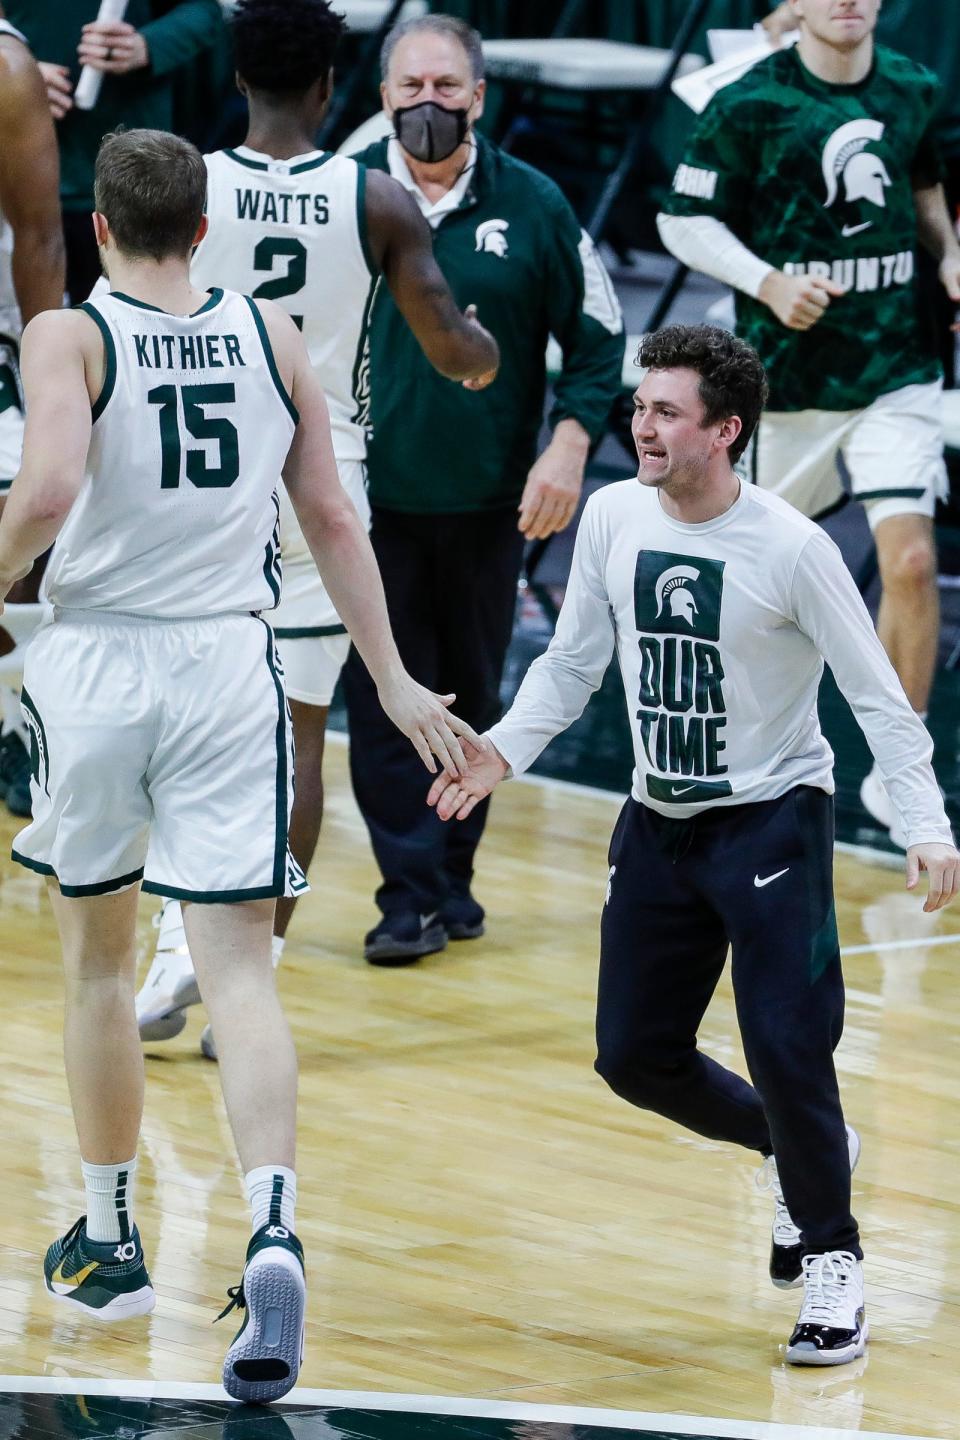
x=177 y=515
x=294 y=231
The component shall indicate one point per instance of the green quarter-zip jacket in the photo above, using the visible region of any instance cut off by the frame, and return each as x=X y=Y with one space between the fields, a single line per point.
x=515 y=249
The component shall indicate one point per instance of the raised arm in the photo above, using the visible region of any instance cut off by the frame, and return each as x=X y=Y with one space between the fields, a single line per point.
x=61 y=365
x=402 y=248
x=29 y=182
x=339 y=544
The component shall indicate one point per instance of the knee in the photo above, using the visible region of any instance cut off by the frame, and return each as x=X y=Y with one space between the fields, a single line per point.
x=634 y=1074
x=911 y=568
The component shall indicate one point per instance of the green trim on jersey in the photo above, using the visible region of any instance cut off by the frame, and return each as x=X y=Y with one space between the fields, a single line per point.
x=250 y=164
x=9 y=390
x=5 y=485
x=110 y=353
x=362 y=230
x=901 y=492
x=212 y=897
x=307 y=632
x=361 y=362
x=311 y=164
x=214 y=299
x=282 y=818
x=292 y=410
x=78 y=892
x=272 y=572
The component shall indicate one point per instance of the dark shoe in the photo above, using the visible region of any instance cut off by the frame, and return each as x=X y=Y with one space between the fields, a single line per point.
x=402 y=937
x=264 y=1360
x=462 y=917
x=15 y=775
x=832 y=1325
x=108 y=1281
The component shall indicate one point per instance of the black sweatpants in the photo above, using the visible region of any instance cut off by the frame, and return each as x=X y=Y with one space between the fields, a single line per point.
x=451 y=586
x=759 y=879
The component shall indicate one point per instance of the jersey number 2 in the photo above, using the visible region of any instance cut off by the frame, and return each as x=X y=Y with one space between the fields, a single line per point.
x=202 y=427
x=292 y=282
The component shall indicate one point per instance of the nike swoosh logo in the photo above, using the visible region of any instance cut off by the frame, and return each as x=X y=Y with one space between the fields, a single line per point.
x=63 y=1284
x=681 y=789
x=769 y=879
x=849 y=230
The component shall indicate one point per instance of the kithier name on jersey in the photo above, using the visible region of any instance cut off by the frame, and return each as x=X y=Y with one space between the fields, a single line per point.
x=187 y=352
x=279 y=209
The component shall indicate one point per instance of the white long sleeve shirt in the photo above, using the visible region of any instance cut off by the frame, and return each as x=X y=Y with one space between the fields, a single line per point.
x=721 y=631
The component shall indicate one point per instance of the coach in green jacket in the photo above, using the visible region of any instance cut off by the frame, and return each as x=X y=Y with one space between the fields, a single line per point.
x=454 y=484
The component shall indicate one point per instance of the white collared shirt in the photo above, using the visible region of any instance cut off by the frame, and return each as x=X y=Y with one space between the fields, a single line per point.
x=432 y=211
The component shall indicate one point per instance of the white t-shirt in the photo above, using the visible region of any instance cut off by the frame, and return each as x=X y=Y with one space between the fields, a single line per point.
x=721 y=631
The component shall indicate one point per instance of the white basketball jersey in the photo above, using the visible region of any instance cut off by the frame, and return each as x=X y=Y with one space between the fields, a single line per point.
x=294 y=231
x=10 y=321
x=178 y=513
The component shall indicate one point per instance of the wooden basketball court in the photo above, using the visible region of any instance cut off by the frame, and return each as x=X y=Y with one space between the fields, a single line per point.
x=483 y=1220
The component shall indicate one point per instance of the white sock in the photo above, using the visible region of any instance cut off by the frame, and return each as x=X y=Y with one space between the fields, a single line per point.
x=109 y=1200
x=277 y=949
x=272 y=1193
x=172 y=935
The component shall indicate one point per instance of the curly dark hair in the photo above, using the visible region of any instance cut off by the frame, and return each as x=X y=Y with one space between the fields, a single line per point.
x=732 y=379
x=284 y=46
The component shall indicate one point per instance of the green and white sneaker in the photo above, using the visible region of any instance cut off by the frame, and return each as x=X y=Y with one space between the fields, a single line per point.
x=264 y=1360
x=108 y=1280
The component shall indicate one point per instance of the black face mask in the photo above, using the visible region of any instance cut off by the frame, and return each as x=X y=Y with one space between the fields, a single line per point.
x=428 y=131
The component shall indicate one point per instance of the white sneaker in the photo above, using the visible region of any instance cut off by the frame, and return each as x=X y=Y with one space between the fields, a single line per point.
x=786 y=1248
x=877 y=803
x=831 y=1328
x=171 y=986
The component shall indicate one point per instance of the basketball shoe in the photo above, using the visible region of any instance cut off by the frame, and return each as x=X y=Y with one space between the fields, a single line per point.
x=171 y=986
x=264 y=1359
x=786 y=1248
x=106 y=1279
x=832 y=1325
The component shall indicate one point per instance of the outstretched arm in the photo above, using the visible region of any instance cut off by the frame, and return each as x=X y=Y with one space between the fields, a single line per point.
x=455 y=344
x=344 y=556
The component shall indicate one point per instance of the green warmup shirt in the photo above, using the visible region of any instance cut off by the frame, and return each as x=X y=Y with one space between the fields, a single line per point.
x=818 y=179
x=515 y=249
x=175 y=34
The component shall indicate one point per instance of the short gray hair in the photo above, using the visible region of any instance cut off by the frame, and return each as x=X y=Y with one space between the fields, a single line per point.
x=447 y=25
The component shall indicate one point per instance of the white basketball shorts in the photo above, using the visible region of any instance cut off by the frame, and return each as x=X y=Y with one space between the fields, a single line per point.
x=313 y=640
x=162 y=751
x=892 y=450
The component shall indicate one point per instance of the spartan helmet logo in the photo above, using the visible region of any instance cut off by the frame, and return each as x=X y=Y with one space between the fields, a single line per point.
x=864 y=176
x=673 y=584
x=490 y=237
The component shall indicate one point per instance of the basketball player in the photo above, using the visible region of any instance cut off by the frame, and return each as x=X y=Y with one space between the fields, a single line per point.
x=159 y=418
x=723 y=603
x=314 y=232
x=31 y=280
x=807 y=186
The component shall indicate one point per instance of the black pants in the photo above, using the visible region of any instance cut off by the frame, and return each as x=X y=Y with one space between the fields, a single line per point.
x=451 y=585
x=759 y=878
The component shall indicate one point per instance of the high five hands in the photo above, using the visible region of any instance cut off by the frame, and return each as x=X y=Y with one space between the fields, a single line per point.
x=456 y=795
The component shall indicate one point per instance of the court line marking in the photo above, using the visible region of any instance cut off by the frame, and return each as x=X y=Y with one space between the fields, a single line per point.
x=640 y=1420
x=925 y=942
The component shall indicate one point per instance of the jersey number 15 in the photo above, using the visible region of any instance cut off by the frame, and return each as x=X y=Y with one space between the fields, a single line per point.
x=202 y=427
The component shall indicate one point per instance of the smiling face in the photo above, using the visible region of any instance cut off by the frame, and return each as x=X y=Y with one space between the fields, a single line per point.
x=675 y=445
x=841 y=23
x=425 y=66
